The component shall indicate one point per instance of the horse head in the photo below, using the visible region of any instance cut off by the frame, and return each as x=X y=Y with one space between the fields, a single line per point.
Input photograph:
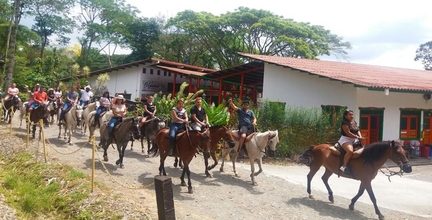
x=78 y=112
x=136 y=131
x=228 y=136
x=273 y=140
x=398 y=157
x=160 y=123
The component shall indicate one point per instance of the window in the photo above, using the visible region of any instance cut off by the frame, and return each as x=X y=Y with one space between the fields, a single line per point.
x=151 y=71
x=169 y=74
x=158 y=72
x=409 y=124
x=165 y=73
x=144 y=70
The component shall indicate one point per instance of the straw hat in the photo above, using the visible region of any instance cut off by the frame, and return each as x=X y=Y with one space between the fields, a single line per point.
x=50 y=89
x=120 y=97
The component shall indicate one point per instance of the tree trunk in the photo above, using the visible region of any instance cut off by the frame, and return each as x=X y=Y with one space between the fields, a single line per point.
x=2 y=76
x=12 y=45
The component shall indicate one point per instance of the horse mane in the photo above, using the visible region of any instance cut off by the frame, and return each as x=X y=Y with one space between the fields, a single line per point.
x=375 y=151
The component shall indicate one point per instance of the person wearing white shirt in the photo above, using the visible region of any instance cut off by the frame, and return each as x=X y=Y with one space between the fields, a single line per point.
x=86 y=96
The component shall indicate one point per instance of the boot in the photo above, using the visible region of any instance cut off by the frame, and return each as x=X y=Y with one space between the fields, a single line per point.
x=171 y=149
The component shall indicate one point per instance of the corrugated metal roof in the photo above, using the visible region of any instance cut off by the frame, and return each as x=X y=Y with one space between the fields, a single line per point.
x=378 y=77
x=181 y=71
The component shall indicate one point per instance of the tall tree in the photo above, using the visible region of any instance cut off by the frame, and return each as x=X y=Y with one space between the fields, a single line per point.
x=16 y=19
x=259 y=32
x=424 y=54
x=142 y=34
x=52 y=18
x=104 y=23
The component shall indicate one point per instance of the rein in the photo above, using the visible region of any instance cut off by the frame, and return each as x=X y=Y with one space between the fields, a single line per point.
x=391 y=172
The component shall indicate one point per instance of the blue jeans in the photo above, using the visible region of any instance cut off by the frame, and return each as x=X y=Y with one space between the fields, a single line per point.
x=34 y=105
x=66 y=105
x=174 y=127
x=83 y=103
x=112 y=124
x=99 y=111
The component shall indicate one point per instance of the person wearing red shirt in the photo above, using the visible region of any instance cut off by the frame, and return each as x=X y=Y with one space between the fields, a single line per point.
x=40 y=97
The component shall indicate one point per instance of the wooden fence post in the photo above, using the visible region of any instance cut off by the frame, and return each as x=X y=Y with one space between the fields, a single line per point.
x=164 y=198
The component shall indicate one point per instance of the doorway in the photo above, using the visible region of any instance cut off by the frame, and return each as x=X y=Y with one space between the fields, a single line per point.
x=371 y=124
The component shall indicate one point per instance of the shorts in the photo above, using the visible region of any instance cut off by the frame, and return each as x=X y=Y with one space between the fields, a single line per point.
x=245 y=130
x=345 y=139
x=196 y=127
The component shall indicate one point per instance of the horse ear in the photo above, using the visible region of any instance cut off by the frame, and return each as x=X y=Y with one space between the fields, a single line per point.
x=393 y=143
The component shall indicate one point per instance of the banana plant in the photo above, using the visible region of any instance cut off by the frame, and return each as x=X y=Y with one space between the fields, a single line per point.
x=217 y=115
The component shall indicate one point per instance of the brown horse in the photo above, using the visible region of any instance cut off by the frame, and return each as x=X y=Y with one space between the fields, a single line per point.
x=36 y=115
x=10 y=106
x=216 y=134
x=120 y=136
x=186 y=145
x=364 y=168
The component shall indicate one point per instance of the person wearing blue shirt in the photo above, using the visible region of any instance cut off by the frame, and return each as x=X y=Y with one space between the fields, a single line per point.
x=247 y=120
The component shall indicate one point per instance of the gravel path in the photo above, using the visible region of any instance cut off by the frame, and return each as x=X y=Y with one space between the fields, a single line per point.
x=223 y=196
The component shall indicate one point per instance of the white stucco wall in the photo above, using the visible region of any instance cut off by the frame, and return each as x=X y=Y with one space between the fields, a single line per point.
x=297 y=88
x=132 y=79
x=392 y=104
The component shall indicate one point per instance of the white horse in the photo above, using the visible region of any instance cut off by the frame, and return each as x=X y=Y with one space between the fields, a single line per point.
x=23 y=113
x=51 y=109
x=71 y=120
x=86 y=112
x=89 y=121
x=255 y=147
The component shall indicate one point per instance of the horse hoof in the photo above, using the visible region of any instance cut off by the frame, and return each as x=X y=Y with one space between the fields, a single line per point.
x=381 y=217
x=209 y=175
x=183 y=183
x=105 y=158
x=331 y=199
x=190 y=190
x=351 y=207
x=70 y=143
x=311 y=196
x=221 y=170
x=117 y=162
x=122 y=166
x=255 y=183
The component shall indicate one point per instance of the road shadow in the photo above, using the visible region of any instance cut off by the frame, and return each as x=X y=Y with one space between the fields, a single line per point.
x=326 y=209
x=112 y=168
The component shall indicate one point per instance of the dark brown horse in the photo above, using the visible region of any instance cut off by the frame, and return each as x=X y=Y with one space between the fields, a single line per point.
x=364 y=168
x=186 y=145
x=149 y=130
x=10 y=106
x=216 y=133
x=37 y=114
x=121 y=136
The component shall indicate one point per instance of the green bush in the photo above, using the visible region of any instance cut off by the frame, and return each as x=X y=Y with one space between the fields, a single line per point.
x=299 y=127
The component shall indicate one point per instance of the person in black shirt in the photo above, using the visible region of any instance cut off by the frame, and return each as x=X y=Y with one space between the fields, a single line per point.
x=199 y=116
x=350 y=133
x=149 y=110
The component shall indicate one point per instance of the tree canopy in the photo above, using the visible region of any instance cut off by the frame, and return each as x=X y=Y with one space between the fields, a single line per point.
x=424 y=54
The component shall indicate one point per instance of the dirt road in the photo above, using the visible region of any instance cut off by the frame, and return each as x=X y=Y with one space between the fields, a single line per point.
x=224 y=196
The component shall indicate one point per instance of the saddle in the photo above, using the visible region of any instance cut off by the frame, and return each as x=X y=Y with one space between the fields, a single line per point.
x=180 y=133
x=337 y=150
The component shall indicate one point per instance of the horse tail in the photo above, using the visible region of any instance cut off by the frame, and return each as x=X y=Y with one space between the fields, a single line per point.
x=307 y=157
x=154 y=149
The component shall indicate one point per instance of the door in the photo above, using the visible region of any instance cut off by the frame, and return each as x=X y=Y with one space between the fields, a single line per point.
x=427 y=138
x=371 y=125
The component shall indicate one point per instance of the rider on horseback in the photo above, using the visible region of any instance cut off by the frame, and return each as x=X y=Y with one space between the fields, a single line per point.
x=39 y=97
x=199 y=116
x=12 y=91
x=71 y=99
x=104 y=105
x=119 y=112
x=149 y=110
x=179 y=119
x=350 y=134
x=247 y=121
x=86 y=96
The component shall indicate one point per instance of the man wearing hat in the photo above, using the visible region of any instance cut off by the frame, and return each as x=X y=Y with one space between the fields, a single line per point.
x=247 y=120
x=86 y=96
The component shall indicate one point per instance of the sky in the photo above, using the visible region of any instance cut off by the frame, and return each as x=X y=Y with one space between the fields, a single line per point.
x=381 y=32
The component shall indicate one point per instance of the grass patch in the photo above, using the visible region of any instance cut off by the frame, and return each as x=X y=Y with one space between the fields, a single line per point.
x=45 y=191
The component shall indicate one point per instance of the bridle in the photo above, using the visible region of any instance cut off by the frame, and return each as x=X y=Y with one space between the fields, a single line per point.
x=400 y=163
x=201 y=140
